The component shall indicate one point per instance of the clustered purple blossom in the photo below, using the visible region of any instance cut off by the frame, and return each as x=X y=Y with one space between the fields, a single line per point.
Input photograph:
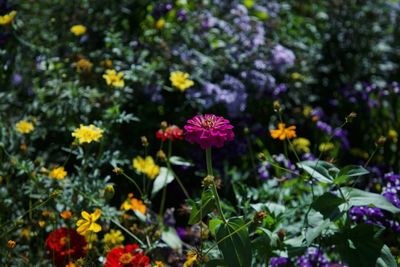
x=372 y=215
x=282 y=57
x=312 y=257
x=280 y=159
x=337 y=132
x=263 y=170
x=279 y=262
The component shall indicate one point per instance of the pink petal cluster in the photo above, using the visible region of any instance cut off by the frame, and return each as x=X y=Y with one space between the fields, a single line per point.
x=208 y=130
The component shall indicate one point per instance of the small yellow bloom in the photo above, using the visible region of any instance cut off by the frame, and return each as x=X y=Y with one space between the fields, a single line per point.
x=70 y=264
x=134 y=204
x=307 y=111
x=324 y=147
x=114 y=79
x=296 y=76
x=146 y=166
x=7 y=18
x=393 y=135
x=78 y=30
x=84 y=65
x=106 y=63
x=159 y=264
x=160 y=24
x=11 y=244
x=283 y=133
x=66 y=214
x=191 y=259
x=301 y=145
x=58 y=173
x=87 y=133
x=180 y=80
x=113 y=239
x=42 y=224
x=24 y=127
x=88 y=223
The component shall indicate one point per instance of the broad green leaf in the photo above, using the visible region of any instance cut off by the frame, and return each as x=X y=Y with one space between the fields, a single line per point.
x=320 y=170
x=327 y=204
x=164 y=177
x=179 y=161
x=201 y=208
x=357 y=197
x=386 y=258
x=212 y=225
x=348 y=172
x=234 y=243
x=317 y=224
x=171 y=238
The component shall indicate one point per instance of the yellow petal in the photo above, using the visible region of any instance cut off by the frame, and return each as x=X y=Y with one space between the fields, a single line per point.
x=96 y=215
x=83 y=228
x=95 y=227
x=85 y=215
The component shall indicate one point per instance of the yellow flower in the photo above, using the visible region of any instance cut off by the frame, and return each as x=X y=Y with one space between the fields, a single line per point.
x=7 y=18
x=283 y=133
x=160 y=24
x=393 y=135
x=301 y=145
x=324 y=147
x=134 y=204
x=84 y=65
x=191 y=259
x=66 y=214
x=146 y=166
x=180 y=80
x=106 y=63
x=78 y=30
x=159 y=264
x=24 y=127
x=70 y=264
x=88 y=223
x=114 y=79
x=296 y=76
x=307 y=111
x=11 y=244
x=87 y=133
x=42 y=224
x=58 y=173
x=113 y=239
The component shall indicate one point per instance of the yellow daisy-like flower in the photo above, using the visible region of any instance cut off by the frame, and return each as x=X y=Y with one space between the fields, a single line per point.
x=87 y=133
x=84 y=65
x=160 y=24
x=24 y=127
x=283 y=133
x=134 y=204
x=324 y=147
x=114 y=79
x=159 y=264
x=191 y=259
x=7 y=18
x=296 y=76
x=146 y=166
x=78 y=30
x=180 y=80
x=393 y=135
x=113 y=239
x=88 y=223
x=301 y=145
x=58 y=173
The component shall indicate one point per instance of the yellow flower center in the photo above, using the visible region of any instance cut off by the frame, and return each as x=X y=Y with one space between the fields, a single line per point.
x=125 y=258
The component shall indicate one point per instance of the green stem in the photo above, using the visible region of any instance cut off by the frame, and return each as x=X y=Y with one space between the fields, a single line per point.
x=213 y=187
x=133 y=181
x=164 y=193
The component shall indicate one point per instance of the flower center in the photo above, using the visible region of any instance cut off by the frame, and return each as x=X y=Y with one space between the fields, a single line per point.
x=125 y=258
x=64 y=240
x=207 y=123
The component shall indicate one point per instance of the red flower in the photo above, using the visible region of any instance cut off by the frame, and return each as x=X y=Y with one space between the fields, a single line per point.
x=172 y=132
x=64 y=245
x=128 y=256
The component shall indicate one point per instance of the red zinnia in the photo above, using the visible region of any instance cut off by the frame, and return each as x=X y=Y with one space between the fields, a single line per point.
x=64 y=245
x=172 y=132
x=208 y=130
x=128 y=256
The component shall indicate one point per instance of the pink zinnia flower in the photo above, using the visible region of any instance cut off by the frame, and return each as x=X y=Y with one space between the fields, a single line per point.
x=208 y=130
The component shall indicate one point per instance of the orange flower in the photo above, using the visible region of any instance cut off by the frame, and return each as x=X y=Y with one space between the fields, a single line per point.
x=66 y=214
x=283 y=133
x=134 y=204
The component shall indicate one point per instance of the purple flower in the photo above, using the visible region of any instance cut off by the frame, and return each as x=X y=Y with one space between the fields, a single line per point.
x=208 y=130
x=279 y=262
x=282 y=57
x=263 y=170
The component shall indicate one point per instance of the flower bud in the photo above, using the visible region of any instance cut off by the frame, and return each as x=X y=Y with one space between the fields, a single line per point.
x=277 y=106
x=381 y=141
x=164 y=125
x=351 y=116
x=109 y=192
x=208 y=180
x=144 y=140
x=161 y=155
x=281 y=235
x=11 y=244
x=261 y=156
x=259 y=217
x=118 y=170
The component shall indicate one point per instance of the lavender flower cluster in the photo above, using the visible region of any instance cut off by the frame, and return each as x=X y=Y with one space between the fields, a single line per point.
x=376 y=216
x=280 y=159
x=312 y=257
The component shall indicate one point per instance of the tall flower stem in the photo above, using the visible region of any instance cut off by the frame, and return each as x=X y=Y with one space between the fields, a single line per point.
x=213 y=187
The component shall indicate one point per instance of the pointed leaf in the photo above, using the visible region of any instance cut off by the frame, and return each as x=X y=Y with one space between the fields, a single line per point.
x=319 y=170
x=164 y=177
x=201 y=208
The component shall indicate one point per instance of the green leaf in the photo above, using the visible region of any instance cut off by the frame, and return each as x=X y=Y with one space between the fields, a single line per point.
x=320 y=170
x=215 y=263
x=357 y=197
x=171 y=238
x=327 y=204
x=164 y=177
x=213 y=224
x=386 y=258
x=317 y=225
x=201 y=208
x=175 y=160
x=349 y=171
x=234 y=243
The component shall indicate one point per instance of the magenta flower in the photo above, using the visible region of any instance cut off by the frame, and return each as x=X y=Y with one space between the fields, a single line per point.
x=208 y=130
